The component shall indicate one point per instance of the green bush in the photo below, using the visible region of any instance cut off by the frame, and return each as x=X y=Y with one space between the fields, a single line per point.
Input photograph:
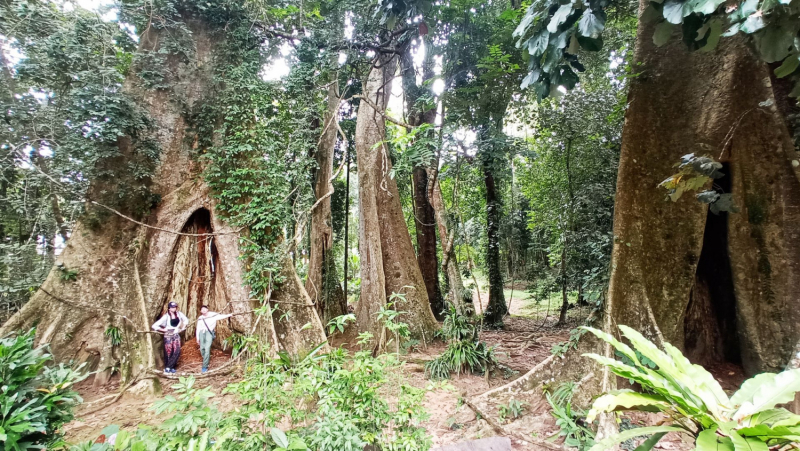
x=465 y=352
x=35 y=399
x=749 y=420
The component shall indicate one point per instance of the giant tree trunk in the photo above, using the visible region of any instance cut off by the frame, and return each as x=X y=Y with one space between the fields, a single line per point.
x=719 y=104
x=388 y=263
x=126 y=273
x=497 y=308
x=323 y=283
x=659 y=244
x=455 y=283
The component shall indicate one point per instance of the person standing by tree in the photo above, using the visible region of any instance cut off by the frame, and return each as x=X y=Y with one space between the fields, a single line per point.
x=172 y=324
x=206 y=324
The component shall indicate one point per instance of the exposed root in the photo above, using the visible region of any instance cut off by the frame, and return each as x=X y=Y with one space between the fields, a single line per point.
x=501 y=431
x=221 y=371
x=114 y=398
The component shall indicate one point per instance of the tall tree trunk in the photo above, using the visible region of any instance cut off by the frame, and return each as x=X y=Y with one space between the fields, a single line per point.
x=388 y=263
x=562 y=316
x=323 y=282
x=424 y=216
x=126 y=272
x=425 y=221
x=719 y=104
x=496 y=309
x=455 y=283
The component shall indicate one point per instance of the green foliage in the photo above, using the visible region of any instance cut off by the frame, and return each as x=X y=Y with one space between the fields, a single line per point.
x=513 y=410
x=66 y=274
x=340 y=322
x=114 y=335
x=694 y=400
x=560 y=349
x=553 y=33
x=331 y=402
x=35 y=399
x=571 y=420
x=695 y=173
x=465 y=351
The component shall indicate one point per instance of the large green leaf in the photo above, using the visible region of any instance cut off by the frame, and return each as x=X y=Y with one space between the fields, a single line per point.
x=693 y=381
x=538 y=43
x=559 y=17
x=762 y=430
x=706 y=7
x=764 y=392
x=618 y=345
x=772 y=417
x=592 y=23
x=774 y=43
x=631 y=433
x=708 y=440
x=648 y=444
x=626 y=399
x=673 y=12
x=789 y=65
x=747 y=443
x=700 y=382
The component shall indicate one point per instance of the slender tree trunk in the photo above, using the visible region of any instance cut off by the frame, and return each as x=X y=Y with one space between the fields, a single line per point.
x=496 y=309
x=455 y=283
x=388 y=262
x=562 y=317
x=425 y=220
x=424 y=216
x=323 y=282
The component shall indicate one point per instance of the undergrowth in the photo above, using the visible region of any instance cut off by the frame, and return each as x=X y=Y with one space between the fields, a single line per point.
x=570 y=419
x=339 y=401
x=35 y=399
x=465 y=351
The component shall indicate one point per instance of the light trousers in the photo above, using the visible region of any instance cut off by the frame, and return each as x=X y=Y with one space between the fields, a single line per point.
x=205 y=347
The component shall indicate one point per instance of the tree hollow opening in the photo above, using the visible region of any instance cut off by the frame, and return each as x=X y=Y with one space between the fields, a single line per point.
x=196 y=277
x=710 y=329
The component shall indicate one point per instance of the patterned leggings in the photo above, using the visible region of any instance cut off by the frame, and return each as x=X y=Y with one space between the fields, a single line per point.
x=172 y=350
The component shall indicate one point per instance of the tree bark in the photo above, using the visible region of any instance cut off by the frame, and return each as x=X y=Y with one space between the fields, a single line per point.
x=496 y=309
x=425 y=221
x=562 y=316
x=322 y=283
x=126 y=270
x=388 y=263
x=455 y=283
x=719 y=104
x=424 y=216
x=720 y=113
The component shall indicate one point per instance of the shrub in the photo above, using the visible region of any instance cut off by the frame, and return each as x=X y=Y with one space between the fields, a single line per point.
x=465 y=352
x=694 y=400
x=35 y=399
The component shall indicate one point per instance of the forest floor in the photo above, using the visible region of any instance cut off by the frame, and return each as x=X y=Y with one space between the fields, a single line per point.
x=529 y=334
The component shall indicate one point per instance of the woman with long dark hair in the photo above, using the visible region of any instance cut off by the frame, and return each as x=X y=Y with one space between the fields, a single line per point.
x=171 y=324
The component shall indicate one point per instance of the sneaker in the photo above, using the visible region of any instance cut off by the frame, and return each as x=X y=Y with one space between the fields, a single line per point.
x=204 y=370
x=172 y=370
x=166 y=371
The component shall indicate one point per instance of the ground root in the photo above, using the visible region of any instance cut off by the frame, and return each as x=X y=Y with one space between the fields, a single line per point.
x=503 y=432
x=221 y=371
